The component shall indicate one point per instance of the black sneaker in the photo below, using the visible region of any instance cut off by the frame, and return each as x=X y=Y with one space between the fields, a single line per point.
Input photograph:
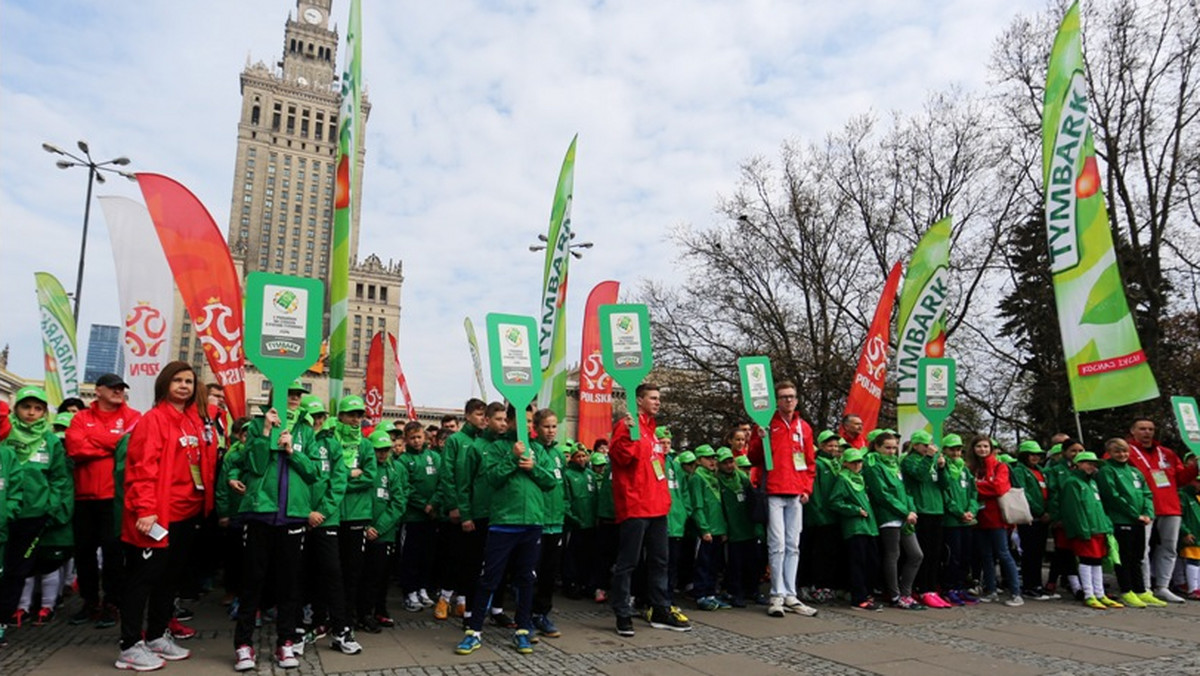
x=662 y=618
x=87 y=613
x=183 y=614
x=109 y=614
x=369 y=625
x=502 y=620
x=625 y=627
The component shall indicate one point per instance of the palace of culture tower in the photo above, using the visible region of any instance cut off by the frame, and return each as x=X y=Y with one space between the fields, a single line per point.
x=281 y=212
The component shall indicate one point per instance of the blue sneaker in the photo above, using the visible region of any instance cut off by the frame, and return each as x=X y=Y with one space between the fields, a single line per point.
x=470 y=643
x=722 y=604
x=708 y=603
x=520 y=641
x=545 y=626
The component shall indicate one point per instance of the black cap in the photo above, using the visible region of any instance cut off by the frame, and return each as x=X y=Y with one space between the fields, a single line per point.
x=111 y=380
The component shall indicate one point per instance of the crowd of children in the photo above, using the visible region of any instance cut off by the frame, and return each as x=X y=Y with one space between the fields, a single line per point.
x=316 y=516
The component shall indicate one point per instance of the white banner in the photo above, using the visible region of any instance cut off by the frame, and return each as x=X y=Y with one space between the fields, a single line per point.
x=147 y=295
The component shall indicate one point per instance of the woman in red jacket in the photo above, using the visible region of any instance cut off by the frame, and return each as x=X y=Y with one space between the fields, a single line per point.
x=169 y=473
x=992 y=479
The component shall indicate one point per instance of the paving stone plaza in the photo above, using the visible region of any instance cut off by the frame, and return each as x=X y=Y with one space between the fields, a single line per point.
x=1052 y=637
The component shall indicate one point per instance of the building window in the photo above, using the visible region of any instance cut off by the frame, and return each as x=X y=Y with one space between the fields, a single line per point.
x=248 y=198
x=254 y=116
x=358 y=293
x=383 y=294
x=370 y=292
x=358 y=319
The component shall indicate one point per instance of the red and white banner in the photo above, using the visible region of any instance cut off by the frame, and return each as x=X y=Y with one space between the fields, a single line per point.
x=206 y=278
x=866 y=392
x=595 y=385
x=402 y=382
x=146 y=293
x=373 y=388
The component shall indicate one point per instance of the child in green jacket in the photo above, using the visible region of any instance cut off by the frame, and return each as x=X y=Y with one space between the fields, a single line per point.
x=922 y=469
x=1189 y=537
x=606 y=527
x=424 y=466
x=387 y=507
x=1087 y=527
x=958 y=520
x=897 y=517
x=1129 y=504
x=709 y=522
x=741 y=576
x=580 y=519
x=1027 y=474
x=849 y=500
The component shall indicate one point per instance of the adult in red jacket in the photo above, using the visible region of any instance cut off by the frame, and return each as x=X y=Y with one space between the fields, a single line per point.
x=641 y=499
x=170 y=470
x=1164 y=473
x=851 y=431
x=91 y=445
x=789 y=486
x=992 y=479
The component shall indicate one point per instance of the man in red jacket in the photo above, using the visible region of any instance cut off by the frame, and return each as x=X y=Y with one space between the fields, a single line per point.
x=1164 y=474
x=641 y=500
x=91 y=443
x=789 y=485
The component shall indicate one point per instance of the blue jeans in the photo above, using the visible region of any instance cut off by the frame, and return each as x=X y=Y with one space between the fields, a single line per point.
x=517 y=548
x=993 y=545
x=784 y=521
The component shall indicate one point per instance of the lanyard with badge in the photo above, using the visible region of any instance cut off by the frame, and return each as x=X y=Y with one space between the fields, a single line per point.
x=656 y=461
x=799 y=462
x=191 y=447
x=1159 y=476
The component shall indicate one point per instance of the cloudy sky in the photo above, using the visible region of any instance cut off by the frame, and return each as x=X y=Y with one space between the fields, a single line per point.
x=473 y=106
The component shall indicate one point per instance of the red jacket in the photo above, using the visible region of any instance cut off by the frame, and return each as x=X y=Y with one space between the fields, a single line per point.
x=5 y=423
x=91 y=442
x=639 y=472
x=163 y=439
x=787 y=438
x=1158 y=458
x=994 y=480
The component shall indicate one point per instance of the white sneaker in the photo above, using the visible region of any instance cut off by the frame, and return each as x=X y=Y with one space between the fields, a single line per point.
x=166 y=648
x=776 y=607
x=423 y=597
x=1167 y=595
x=285 y=656
x=346 y=644
x=138 y=657
x=797 y=606
x=244 y=658
x=413 y=604
x=1015 y=602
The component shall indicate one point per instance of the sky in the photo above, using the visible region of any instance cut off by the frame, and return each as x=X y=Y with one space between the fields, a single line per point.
x=473 y=106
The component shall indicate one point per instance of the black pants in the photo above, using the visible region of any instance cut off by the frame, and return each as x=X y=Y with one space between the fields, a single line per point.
x=372 y=595
x=710 y=561
x=741 y=576
x=578 y=569
x=445 y=556
x=281 y=550
x=416 y=570
x=826 y=558
x=674 y=548
x=231 y=551
x=1131 y=546
x=1033 y=552
x=323 y=578
x=549 y=561
x=19 y=561
x=958 y=552
x=518 y=551
x=606 y=554
x=1062 y=562
x=93 y=526
x=633 y=535
x=152 y=578
x=352 y=548
x=864 y=566
x=929 y=536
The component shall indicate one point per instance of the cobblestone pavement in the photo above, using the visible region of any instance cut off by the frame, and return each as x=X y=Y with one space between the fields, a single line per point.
x=1053 y=637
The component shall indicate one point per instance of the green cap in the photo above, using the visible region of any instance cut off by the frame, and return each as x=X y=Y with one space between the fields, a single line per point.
x=724 y=454
x=1085 y=456
x=63 y=419
x=742 y=461
x=662 y=433
x=687 y=457
x=380 y=440
x=31 y=392
x=921 y=437
x=351 y=402
x=705 y=451
x=852 y=455
x=386 y=426
x=599 y=459
x=312 y=405
x=825 y=435
x=951 y=440
x=874 y=433
x=1029 y=446
x=1005 y=458
x=297 y=385
x=1055 y=449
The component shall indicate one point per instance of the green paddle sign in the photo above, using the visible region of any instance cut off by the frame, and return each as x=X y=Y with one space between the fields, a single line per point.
x=516 y=366
x=625 y=349
x=1187 y=416
x=283 y=329
x=758 y=396
x=936 y=391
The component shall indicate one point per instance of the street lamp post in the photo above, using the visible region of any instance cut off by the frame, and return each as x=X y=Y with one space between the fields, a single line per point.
x=573 y=247
x=94 y=176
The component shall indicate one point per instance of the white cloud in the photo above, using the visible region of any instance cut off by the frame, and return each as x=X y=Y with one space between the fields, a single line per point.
x=473 y=107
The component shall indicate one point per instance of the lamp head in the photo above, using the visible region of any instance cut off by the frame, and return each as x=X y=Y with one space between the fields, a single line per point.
x=51 y=148
x=99 y=177
x=64 y=164
x=122 y=161
x=83 y=146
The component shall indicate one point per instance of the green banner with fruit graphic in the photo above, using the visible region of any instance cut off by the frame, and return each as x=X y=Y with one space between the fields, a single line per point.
x=1106 y=366
x=922 y=320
